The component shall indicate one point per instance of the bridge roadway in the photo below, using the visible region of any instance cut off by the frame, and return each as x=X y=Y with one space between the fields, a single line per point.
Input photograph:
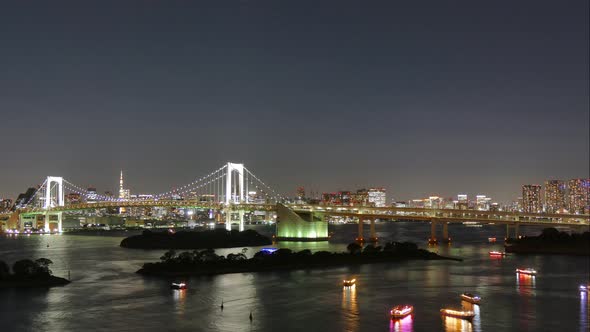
x=435 y=216
x=444 y=216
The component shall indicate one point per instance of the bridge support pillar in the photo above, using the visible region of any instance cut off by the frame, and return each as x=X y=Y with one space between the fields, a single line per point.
x=46 y=225
x=432 y=239
x=360 y=237
x=228 y=220
x=373 y=234
x=446 y=237
x=241 y=220
x=59 y=221
x=515 y=227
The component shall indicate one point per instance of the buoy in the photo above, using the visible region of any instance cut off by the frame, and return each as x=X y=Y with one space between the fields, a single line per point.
x=221 y=306
x=47 y=245
x=250 y=315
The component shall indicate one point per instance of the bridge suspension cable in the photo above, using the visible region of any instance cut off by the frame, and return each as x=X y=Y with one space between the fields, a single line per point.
x=81 y=191
x=274 y=194
x=196 y=184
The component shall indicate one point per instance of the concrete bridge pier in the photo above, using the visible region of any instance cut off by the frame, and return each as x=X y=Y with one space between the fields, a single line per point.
x=360 y=237
x=513 y=226
x=432 y=239
x=373 y=234
x=241 y=220
x=446 y=237
x=59 y=221
x=46 y=226
x=228 y=220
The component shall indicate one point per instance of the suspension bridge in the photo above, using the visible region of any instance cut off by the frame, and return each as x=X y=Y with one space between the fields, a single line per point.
x=226 y=194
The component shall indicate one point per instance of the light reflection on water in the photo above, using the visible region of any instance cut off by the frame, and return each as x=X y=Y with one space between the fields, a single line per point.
x=179 y=300
x=452 y=324
x=405 y=324
x=525 y=284
x=107 y=293
x=584 y=311
x=350 y=309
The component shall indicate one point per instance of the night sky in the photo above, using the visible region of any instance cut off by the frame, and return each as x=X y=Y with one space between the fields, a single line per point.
x=422 y=98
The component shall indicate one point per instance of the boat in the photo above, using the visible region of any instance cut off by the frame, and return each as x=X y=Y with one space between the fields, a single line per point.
x=491 y=239
x=470 y=298
x=497 y=253
x=401 y=311
x=349 y=283
x=468 y=315
x=180 y=285
x=584 y=288
x=526 y=271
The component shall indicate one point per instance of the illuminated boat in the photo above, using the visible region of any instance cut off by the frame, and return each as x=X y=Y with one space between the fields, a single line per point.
x=491 y=239
x=584 y=288
x=349 y=283
x=180 y=285
x=497 y=253
x=470 y=298
x=468 y=315
x=269 y=250
x=526 y=271
x=401 y=311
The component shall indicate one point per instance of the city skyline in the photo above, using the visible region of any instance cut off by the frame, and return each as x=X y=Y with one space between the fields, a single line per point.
x=124 y=191
x=421 y=100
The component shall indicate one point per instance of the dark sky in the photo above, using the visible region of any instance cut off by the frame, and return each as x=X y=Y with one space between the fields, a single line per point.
x=424 y=97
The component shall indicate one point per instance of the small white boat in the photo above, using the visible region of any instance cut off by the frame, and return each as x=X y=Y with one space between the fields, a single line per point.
x=349 y=283
x=526 y=271
x=401 y=311
x=468 y=315
x=180 y=285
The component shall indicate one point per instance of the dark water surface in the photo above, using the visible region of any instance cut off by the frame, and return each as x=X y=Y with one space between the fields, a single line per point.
x=107 y=295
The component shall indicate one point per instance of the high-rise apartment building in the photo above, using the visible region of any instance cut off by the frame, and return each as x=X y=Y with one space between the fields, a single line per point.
x=377 y=196
x=483 y=202
x=462 y=202
x=531 y=198
x=579 y=196
x=554 y=196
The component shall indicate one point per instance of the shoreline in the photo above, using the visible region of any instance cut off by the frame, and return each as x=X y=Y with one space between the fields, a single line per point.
x=51 y=281
x=163 y=269
x=186 y=240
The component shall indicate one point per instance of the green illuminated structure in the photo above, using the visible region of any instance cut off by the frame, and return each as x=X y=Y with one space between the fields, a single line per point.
x=292 y=226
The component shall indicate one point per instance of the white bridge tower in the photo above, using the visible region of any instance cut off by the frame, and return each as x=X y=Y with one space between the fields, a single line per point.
x=235 y=192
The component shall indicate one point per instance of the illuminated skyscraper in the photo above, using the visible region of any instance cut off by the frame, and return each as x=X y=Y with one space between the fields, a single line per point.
x=554 y=195
x=124 y=194
x=483 y=202
x=377 y=196
x=531 y=198
x=579 y=196
x=462 y=202
x=121 y=189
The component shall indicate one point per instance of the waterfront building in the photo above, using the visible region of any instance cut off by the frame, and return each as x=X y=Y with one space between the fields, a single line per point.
x=300 y=193
x=5 y=204
x=579 y=196
x=482 y=202
x=360 y=197
x=24 y=198
x=377 y=197
x=73 y=198
x=554 y=195
x=462 y=202
x=531 y=198
x=419 y=203
x=91 y=195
